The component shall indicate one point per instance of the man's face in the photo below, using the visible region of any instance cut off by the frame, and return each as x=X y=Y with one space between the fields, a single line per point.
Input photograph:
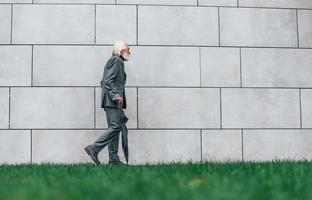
x=127 y=50
x=126 y=53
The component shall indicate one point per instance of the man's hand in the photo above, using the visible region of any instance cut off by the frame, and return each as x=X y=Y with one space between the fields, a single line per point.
x=119 y=100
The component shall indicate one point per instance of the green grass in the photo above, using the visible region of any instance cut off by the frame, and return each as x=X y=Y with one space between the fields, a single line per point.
x=276 y=180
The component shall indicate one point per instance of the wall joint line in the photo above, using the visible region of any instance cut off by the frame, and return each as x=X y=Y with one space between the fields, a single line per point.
x=242 y=140
x=297 y=23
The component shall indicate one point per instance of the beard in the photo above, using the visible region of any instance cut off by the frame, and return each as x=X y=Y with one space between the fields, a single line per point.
x=125 y=57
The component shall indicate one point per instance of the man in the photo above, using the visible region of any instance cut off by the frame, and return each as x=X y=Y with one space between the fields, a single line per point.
x=113 y=100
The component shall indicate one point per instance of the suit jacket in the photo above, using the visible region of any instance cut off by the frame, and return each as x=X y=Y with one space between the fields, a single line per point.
x=113 y=82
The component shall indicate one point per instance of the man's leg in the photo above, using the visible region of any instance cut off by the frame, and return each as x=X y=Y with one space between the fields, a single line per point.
x=113 y=148
x=113 y=118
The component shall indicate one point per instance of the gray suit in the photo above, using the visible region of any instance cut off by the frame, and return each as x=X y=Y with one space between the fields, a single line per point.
x=113 y=82
x=113 y=85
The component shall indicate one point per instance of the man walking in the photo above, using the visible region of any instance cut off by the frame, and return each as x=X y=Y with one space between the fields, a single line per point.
x=113 y=101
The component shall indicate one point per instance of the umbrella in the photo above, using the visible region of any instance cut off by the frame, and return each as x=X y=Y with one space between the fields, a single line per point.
x=124 y=134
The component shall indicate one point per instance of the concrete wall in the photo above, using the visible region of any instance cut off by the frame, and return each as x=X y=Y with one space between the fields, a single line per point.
x=208 y=80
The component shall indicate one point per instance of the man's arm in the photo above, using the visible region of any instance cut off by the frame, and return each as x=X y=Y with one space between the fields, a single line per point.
x=109 y=77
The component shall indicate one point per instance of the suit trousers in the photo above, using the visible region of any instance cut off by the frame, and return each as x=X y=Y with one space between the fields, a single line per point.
x=111 y=135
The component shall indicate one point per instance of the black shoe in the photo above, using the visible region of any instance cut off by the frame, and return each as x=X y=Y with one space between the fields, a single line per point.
x=116 y=162
x=90 y=151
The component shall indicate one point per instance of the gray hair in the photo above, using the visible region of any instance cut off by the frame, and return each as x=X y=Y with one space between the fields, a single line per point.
x=118 y=47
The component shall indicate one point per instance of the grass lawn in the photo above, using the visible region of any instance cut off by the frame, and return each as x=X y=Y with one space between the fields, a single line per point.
x=279 y=179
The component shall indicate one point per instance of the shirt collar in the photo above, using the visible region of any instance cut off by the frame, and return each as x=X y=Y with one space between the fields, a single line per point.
x=119 y=56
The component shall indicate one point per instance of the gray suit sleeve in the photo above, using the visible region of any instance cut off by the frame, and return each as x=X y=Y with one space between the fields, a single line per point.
x=110 y=75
